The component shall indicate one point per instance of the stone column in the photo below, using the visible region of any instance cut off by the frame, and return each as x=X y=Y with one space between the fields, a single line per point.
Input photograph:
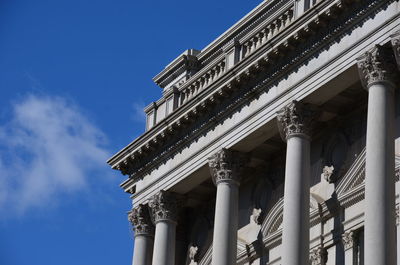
x=294 y=122
x=349 y=244
x=144 y=235
x=225 y=167
x=164 y=208
x=398 y=234
x=377 y=69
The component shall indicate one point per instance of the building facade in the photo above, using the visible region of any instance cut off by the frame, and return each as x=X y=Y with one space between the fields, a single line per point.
x=278 y=143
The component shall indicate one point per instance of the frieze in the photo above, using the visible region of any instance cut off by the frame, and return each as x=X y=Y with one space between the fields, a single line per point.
x=227 y=165
x=172 y=138
x=141 y=221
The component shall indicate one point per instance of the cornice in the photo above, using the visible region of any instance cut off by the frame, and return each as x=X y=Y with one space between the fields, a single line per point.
x=272 y=54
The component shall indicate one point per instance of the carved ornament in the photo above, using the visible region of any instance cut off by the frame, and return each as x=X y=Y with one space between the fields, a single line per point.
x=376 y=66
x=349 y=240
x=141 y=221
x=296 y=119
x=164 y=206
x=318 y=256
x=227 y=165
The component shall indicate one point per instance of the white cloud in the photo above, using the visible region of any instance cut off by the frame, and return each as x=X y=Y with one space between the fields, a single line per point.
x=138 y=112
x=47 y=148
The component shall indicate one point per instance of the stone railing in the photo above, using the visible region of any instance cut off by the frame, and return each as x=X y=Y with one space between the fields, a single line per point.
x=205 y=79
x=246 y=47
x=268 y=32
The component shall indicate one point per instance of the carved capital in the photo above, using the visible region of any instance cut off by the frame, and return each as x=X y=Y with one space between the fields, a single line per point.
x=318 y=256
x=164 y=206
x=227 y=165
x=141 y=221
x=396 y=47
x=349 y=240
x=296 y=119
x=376 y=66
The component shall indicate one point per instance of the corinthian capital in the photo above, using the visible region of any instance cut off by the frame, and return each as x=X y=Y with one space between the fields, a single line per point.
x=227 y=165
x=141 y=221
x=348 y=239
x=296 y=119
x=164 y=206
x=318 y=256
x=396 y=47
x=376 y=66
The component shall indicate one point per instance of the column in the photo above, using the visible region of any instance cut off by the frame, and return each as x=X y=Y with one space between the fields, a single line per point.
x=398 y=234
x=225 y=167
x=144 y=235
x=164 y=208
x=377 y=70
x=349 y=244
x=295 y=121
x=396 y=50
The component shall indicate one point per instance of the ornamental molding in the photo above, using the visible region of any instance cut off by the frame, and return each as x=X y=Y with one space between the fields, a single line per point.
x=378 y=65
x=164 y=207
x=296 y=119
x=227 y=165
x=141 y=221
x=252 y=76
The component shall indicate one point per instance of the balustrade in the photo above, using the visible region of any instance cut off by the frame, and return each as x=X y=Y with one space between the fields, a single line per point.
x=268 y=32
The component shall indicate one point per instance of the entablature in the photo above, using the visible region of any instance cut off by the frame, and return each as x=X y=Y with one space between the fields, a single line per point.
x=141 y=155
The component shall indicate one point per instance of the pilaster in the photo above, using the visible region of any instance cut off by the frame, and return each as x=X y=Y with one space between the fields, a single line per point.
x=349 y=244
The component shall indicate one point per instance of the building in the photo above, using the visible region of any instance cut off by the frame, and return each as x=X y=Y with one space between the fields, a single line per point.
x=278 y=143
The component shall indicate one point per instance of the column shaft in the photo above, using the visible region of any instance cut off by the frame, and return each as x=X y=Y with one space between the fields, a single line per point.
x=295 y=122
x=226 y=225
x=295 y=238
x=164 y=207
x=225 y=167
x=164 y=243
x=144 y=234
x=380 y=177
x=143 y=250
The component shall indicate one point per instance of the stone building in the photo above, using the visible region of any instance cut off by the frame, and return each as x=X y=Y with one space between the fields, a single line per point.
x=278 y=143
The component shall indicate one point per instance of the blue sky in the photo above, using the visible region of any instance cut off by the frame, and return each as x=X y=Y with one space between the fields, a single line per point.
x=74 y=77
